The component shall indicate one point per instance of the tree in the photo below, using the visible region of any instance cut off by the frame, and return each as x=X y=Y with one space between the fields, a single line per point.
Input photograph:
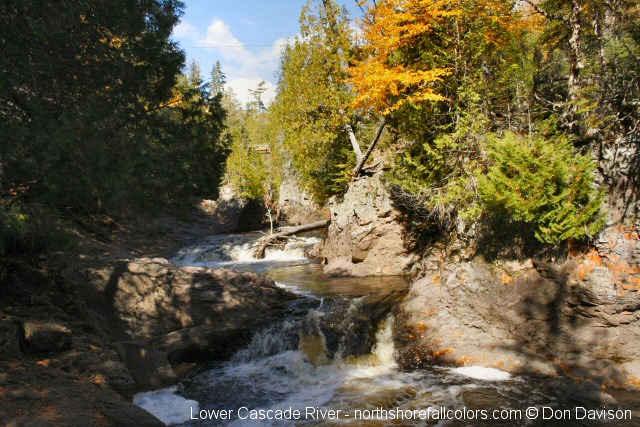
x=257 y=103
x=542 y=182
x=80 y=83
x=255 y=165
x=313 y=101
x=218 y=80
x=431 y=67
x=589 y=40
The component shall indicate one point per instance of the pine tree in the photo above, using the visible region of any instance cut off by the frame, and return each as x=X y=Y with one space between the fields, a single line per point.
x=542 y=182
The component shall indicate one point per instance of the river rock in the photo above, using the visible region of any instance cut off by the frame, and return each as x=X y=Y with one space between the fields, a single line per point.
x=149 y=298
x=585 y=393
x=44 y=337
x=148 y=366
x=365 y=237
x=579 y=316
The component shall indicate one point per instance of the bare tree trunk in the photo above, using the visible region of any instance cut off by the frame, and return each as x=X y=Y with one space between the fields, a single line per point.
x=365 y=157
x=354 y=142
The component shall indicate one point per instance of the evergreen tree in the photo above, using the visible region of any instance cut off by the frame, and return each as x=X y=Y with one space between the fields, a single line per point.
x=218 y=80
x=313 y=102
x=541 y=182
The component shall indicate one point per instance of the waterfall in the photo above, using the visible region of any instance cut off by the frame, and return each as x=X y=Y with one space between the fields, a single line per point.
x=238 y=251
x=334 y=352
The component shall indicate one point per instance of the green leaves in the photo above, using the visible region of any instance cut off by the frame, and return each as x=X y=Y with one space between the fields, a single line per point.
x=313 y=102
x=542 y=182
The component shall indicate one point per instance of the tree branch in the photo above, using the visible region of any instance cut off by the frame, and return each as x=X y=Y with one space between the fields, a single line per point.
x=354 y=142
x=365 y=157
x=266 y=240
x=544 y=13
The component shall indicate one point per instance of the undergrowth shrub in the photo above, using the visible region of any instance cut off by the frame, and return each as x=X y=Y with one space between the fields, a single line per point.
x=543 y=182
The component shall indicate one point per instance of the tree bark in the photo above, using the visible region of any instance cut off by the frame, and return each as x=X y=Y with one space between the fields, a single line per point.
x=365 y=156
x=354 y=142
x=266 y=240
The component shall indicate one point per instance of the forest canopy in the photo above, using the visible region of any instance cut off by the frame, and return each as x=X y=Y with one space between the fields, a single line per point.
x=99 y=113
x=468 y=91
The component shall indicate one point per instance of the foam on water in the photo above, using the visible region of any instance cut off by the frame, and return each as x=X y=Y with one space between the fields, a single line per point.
x=482 y=373
x=235 y=250
x=168 y=407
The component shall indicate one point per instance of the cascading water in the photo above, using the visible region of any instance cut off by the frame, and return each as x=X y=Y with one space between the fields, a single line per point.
x=332 y=362
x=238 y=251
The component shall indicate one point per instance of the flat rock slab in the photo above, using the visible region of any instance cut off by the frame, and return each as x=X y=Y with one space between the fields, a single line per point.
x=46 y=337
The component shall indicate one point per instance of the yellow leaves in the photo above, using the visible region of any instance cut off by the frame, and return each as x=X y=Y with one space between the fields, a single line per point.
x=383 y=83
x=114 y=42
x=399 y=32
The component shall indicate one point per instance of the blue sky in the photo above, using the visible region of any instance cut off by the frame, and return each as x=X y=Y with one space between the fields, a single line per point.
x=245 y=35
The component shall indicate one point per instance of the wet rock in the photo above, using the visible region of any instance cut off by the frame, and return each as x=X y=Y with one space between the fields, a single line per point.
x=205 y=342
x=587 y=392
x=340 y=266
x=148 y=366
x=365 y=237
x=9 y=340
x=45 y=337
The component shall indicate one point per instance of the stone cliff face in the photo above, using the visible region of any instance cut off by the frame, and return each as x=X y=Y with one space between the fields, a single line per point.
x=366 y=235
x=296 y=204
x=232 y=214
x=581 y=316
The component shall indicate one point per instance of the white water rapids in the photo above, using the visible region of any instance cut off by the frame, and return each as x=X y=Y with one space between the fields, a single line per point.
x=337 y=355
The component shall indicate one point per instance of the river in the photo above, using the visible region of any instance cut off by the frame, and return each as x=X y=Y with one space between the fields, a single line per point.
x=331 y=362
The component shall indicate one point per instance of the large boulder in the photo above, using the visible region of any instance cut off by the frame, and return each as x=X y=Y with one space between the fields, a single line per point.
x=157 y=311
x=366 y=235
x=151 y=297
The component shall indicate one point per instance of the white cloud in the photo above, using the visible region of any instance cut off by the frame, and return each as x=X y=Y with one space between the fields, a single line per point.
x=245 y=67
x=242 y=85
x=185 y=30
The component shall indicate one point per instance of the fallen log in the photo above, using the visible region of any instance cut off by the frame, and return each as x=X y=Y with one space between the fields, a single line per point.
x=289 y=231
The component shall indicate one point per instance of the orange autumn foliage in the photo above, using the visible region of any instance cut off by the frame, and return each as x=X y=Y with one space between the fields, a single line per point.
x=392 y=73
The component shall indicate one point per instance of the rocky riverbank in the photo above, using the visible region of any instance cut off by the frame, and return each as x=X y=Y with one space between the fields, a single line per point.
x=497 y=303
x=75 y=344
x=367 y=234
x=578 y=316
